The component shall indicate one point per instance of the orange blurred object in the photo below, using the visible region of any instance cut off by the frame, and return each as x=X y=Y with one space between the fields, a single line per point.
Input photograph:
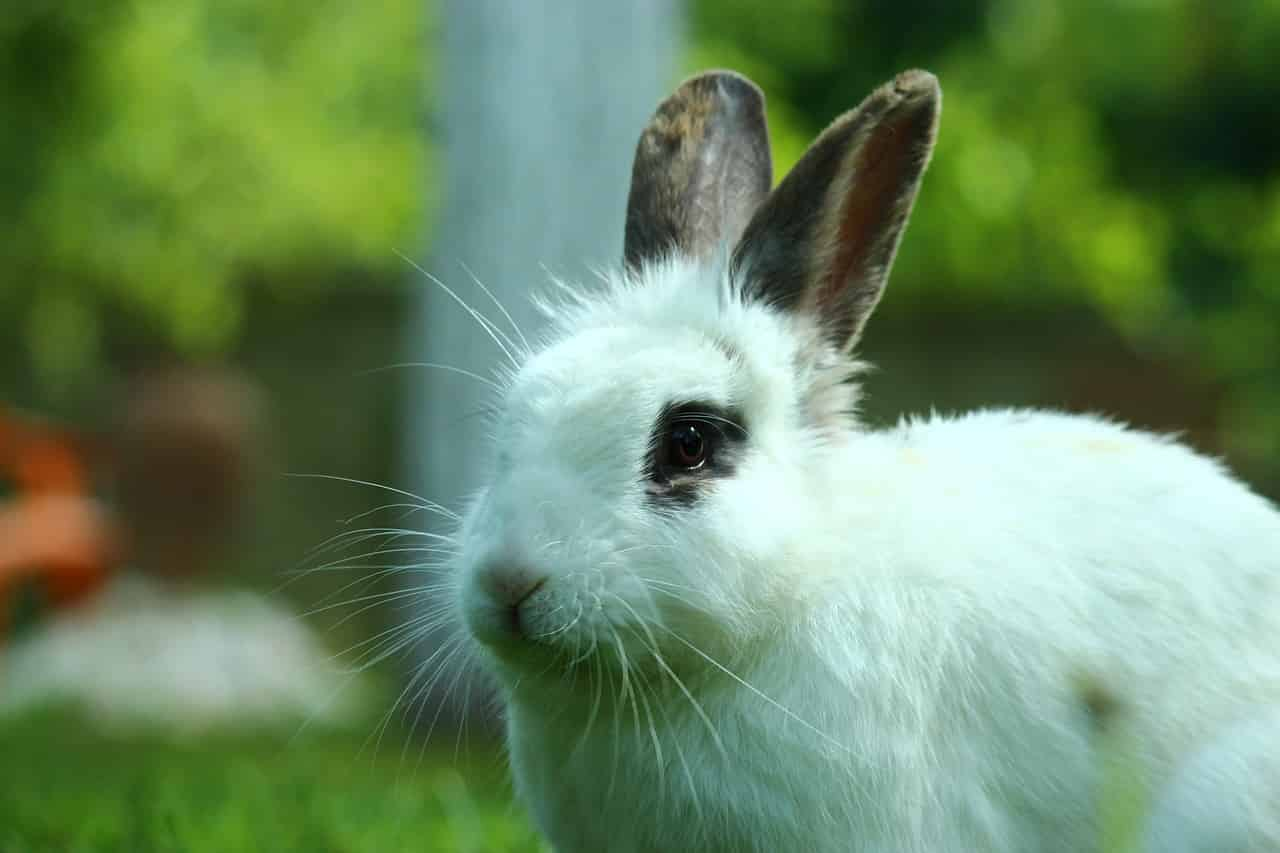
x=40 y=458
x=178 y=458
x=65 y=539
x=52 y=530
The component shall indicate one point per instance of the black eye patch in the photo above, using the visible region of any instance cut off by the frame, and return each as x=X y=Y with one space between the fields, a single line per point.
x=692 y=444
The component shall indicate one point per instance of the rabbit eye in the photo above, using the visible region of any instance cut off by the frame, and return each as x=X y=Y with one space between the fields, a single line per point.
x=693 y=444
x=688 y=445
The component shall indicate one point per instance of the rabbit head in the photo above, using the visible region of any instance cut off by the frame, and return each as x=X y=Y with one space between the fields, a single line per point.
x=659 y=462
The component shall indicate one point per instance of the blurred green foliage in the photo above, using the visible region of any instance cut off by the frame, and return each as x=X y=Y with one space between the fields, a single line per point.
x=163 y=156
x=161 y=159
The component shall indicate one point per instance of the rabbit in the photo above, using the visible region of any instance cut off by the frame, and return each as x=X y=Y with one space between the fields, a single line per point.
x=723 y=615
x=1223 y=798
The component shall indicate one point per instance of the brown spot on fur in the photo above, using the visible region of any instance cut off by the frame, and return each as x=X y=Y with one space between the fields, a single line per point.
x=1101 y=704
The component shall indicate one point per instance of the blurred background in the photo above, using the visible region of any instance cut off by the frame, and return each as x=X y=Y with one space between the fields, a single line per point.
x=221 y=224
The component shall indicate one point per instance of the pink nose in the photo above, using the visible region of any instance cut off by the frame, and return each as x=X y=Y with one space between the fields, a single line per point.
x=512 y=587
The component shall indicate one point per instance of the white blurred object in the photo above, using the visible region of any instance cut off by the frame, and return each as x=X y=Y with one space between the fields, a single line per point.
x=143 y=656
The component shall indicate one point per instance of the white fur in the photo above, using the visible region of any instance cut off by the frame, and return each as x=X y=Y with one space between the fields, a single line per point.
x=869 y=640
x=1223 y=800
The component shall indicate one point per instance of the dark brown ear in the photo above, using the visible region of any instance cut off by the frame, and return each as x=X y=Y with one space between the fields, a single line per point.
x=702 y=167
x=824 y=241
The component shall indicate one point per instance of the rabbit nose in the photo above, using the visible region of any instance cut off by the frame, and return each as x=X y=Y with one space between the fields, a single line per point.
x=511 y=587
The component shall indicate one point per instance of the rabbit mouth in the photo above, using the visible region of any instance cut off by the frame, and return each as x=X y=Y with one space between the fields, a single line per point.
x=554 y=635
x=525 y=621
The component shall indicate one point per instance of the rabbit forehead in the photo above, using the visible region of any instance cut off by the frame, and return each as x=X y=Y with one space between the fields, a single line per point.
x=680 y=331
x=619 y=378
x=674 y=354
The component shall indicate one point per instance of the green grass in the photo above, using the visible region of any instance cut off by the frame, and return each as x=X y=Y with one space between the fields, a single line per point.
x=64 y=788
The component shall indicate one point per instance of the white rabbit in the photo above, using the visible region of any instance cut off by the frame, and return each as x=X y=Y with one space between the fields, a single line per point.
x=726 y=617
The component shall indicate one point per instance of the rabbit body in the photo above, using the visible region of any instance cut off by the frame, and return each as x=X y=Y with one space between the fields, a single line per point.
x=726 y=617
x=946 y=593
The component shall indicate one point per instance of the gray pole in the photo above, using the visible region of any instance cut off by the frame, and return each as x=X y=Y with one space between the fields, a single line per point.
x=542 y=105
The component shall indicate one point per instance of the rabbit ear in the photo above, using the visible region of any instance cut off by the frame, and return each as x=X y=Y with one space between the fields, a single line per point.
x=824 y=241
x=702 y=167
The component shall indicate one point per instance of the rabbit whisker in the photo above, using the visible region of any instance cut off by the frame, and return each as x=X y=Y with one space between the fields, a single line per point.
x=417 y=686
x=652 y=643
x=502 y=308
x=421 y=501
x=792 y=715
x=499 y=337
x=675 y=741
x=432 y=365
x=392 y=637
